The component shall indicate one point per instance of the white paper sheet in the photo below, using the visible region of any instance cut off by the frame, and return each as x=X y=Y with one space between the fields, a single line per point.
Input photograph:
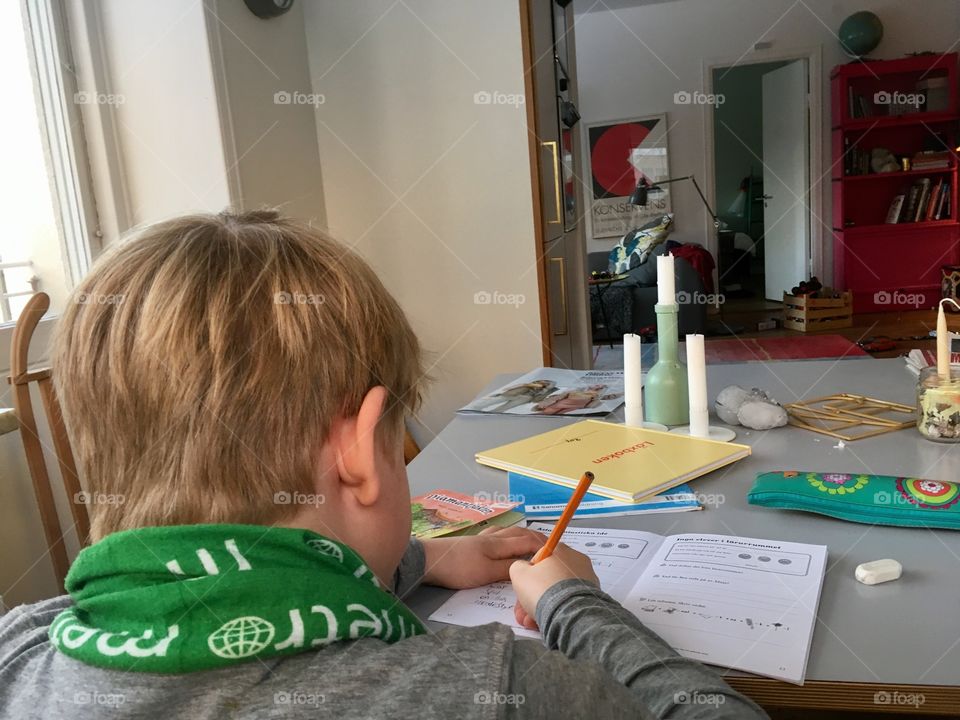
x=735 y=602
x=619 y=556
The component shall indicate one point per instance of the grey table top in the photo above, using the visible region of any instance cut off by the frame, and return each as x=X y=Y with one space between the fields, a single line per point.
x=906 y=631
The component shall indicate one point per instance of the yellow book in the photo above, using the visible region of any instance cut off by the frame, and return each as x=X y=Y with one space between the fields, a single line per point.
x=629 y=464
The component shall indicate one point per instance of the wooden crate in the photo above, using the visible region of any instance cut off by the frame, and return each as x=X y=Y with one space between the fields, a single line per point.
x=808 y=314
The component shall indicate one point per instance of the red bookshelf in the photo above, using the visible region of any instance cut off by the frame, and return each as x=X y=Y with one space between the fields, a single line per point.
x=908 y=106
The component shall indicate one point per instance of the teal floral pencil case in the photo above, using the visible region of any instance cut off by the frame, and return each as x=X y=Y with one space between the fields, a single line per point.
x=860 y=497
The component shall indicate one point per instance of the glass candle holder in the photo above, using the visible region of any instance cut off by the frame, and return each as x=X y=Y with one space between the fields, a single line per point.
x=938 y=406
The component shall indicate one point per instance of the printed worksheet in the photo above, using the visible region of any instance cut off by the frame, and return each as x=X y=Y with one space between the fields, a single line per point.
x=736 y=602
x=619 y=557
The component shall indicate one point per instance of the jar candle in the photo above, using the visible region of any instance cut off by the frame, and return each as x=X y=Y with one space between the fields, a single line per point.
x=938 y=405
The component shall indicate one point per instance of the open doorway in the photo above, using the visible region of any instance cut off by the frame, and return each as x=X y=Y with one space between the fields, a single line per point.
x=761 y=175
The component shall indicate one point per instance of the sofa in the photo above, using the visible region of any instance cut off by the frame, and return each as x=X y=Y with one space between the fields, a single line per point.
x=629 y=304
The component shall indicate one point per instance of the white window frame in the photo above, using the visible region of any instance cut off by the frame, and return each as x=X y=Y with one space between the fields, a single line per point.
x=62 y=133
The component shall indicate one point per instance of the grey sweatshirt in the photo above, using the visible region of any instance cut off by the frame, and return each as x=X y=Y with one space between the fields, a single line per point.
x=596 y=660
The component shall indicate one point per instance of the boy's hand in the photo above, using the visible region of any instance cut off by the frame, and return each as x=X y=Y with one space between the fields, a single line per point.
x=530 y=582
x=466 y=562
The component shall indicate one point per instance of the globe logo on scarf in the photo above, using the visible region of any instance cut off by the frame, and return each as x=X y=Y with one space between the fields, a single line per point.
x=241 y=637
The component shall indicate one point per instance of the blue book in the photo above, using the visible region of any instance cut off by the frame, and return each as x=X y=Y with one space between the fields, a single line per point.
x=545 y=500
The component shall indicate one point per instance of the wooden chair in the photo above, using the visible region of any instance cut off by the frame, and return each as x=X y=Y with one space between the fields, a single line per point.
x=410 y=447
x=20 y=378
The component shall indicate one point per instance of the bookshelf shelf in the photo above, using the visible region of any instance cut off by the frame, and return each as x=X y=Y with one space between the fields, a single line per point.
x=897 y=227
x=909 y=108
x=895 y=175
x=886 y=121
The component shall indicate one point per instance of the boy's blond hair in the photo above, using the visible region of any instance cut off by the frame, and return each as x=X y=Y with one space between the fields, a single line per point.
x=201 y=362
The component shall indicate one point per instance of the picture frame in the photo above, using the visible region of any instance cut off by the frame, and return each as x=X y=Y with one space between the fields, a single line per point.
x=619 y=153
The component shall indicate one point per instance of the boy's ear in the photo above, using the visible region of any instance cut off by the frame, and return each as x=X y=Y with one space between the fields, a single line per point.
x=355 y=446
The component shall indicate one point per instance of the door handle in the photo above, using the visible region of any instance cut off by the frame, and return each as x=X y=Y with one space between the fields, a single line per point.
x=563 y=293
x=555 y=152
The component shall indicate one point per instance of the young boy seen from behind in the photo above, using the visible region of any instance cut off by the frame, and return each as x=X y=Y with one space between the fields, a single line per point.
x=236 y=386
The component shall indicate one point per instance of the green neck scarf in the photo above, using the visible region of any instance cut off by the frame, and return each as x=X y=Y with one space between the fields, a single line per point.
x=185 y=598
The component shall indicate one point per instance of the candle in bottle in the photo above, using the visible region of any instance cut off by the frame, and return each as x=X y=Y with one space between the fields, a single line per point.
x=666 y=291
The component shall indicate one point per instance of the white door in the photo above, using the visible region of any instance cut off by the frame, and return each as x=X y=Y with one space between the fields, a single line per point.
x=786 y=219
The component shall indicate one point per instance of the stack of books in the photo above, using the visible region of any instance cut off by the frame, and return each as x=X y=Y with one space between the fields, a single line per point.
x=636 y=470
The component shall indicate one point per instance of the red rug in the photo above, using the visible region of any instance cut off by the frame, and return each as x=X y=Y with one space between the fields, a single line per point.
x=811 y=347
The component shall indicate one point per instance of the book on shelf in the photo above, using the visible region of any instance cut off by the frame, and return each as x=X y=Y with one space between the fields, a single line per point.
x=922 y=198
x=933 y=201
x=910 y=204
x=896 y=205
x=628 y=463
x=930 y=160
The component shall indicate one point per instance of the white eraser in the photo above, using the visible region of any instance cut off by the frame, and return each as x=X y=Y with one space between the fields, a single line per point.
x=878 y=571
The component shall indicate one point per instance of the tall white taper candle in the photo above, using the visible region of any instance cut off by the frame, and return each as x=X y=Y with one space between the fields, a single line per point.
x=666 y=290
x=943 y=345
x=697 y=387
x=632 y=381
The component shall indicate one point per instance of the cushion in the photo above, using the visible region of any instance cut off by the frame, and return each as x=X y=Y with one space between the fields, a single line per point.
x=635 y=247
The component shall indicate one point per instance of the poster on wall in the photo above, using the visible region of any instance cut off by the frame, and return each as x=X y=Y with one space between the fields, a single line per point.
x=620 y=153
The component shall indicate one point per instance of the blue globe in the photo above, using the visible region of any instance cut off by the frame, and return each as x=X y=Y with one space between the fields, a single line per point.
x=860 y=33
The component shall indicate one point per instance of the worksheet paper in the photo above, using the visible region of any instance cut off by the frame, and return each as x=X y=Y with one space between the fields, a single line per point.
x=735 y=602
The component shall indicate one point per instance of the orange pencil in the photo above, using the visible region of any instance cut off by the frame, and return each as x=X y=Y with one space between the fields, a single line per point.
x=558 y=529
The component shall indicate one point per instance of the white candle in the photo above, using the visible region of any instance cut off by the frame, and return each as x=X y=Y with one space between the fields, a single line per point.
x=632 y=380
x=943 y=345
x=697 y=386
x=666 y=292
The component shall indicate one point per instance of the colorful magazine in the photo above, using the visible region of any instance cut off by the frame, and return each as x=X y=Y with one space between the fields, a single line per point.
x=442 y=512
x=551 y=391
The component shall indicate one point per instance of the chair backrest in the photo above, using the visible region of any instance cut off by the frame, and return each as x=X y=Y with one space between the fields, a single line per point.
x=20 y=378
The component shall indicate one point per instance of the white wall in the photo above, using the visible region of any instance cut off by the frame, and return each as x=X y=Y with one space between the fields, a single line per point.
x=631 y=61
x=431 y=188
x=271 y=147
x=168 y=129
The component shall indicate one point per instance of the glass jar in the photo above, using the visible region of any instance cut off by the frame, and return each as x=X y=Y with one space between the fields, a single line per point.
x=938 y=405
